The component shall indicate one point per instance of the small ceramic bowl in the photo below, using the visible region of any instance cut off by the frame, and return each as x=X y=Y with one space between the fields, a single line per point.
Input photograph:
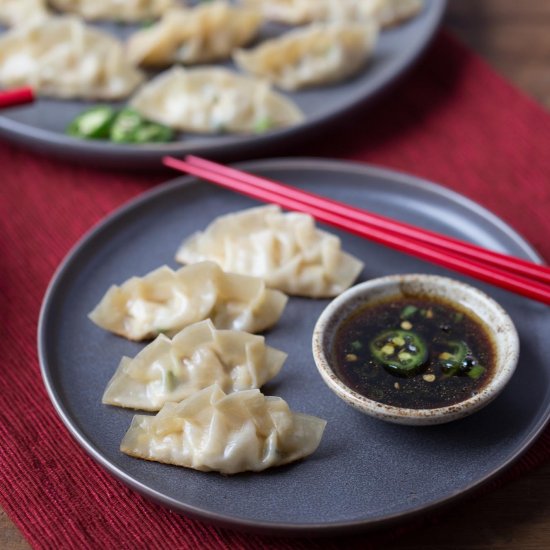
x=496 y=320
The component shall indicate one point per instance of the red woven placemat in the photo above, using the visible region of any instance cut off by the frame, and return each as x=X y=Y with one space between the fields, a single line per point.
x=452 y=120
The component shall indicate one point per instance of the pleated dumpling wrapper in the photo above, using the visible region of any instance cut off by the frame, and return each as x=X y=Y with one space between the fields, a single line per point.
x=292 y=12
x=197 y=357
x=286 y=250
x=22 y=12
x=386 y=13
x=319 y=54
x=117 y=10
x=62 y=57
x=296 y=12
x=208 y=32
x=167 y=301
x=212 y=431
x=214 y=100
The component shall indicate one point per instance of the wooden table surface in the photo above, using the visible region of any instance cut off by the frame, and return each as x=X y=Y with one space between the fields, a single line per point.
x=515 y=38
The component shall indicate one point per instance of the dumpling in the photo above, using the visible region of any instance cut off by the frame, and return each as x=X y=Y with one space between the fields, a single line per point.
x=293 y=12
x=197 y=357
x=212 y=431
x=318 y=54
x=208 y=32
x=297 y=12
x=125 y=10
x=62 y=57
x=214 y=100
x=286 y=250
x=385 y=12
x=17 y=12
x=393 y=12
x=167 y=301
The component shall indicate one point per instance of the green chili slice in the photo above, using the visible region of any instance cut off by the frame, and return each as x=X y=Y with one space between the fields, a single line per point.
x=125 y=126
x=459 y=361
x=94 y=123
x=130 y=127
x=152 y=132
x=401 y=352
x=453 y=360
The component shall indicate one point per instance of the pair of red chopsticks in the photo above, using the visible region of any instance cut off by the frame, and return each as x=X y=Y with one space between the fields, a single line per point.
x=513 y=274
x=18 y=96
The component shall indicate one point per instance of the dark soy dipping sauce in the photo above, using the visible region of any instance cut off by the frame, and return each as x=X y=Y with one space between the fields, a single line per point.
x=457 y=363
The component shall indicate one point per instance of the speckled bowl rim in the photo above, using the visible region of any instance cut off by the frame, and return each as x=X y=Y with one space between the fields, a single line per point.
x=497 y=321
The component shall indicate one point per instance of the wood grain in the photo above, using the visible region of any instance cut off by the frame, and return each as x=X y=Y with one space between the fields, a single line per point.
x=514 y=37
x=514 y=517
x=10 y=537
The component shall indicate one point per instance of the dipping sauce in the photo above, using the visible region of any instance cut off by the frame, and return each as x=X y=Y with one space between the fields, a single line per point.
x=414 y=353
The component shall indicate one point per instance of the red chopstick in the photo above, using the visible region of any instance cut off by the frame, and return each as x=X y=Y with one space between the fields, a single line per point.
x=18 y=96
x=346 y=219
x=504 y=261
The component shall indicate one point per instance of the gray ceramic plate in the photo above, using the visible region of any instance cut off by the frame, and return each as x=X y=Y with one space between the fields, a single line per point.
x=41 y=126
x=365 y=472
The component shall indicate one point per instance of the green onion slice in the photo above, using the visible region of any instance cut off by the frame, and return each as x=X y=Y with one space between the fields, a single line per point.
x=476 y=372
x=408 y=311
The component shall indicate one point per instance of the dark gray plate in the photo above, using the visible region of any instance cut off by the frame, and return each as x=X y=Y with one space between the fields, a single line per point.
x=41 y=126
x=365 y=472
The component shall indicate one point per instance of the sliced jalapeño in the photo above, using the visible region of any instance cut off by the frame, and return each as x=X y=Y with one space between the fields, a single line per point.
x=401 y=352
x=94 y=123
x=459 y=360
x=125 y=126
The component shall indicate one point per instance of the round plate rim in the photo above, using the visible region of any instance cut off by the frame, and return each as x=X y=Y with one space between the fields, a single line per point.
x=267 y=527
x=149 y=154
